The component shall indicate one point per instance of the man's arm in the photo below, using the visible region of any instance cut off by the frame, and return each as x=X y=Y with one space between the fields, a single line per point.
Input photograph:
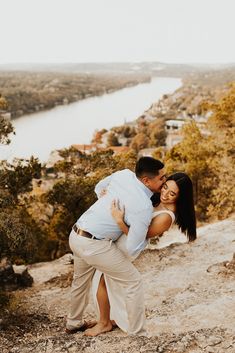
x=136 y=238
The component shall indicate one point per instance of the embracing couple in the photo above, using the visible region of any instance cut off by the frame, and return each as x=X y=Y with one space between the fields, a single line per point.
x=131 y=208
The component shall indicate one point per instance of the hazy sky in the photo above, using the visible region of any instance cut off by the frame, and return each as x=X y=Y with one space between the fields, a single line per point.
x=117 y=30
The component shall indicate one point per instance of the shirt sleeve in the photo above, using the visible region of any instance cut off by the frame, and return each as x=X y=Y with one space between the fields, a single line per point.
x=102 y=184
x=136 y=238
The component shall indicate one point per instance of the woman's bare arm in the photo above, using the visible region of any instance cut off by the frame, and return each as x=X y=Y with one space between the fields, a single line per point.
x=159 y=225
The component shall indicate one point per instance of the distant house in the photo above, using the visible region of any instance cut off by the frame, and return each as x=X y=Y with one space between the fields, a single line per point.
x=174 y=125
x=117 y=149
x=86 y=148
x=172 y=139
x=93 y=147
x=53 y=159
x=173 y=128
x=146 y=152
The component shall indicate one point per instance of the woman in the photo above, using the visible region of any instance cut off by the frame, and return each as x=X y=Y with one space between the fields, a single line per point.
x=175 y=204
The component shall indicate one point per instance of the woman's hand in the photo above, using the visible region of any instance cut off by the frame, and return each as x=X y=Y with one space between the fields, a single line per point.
x=116 y=211
x=118 y=214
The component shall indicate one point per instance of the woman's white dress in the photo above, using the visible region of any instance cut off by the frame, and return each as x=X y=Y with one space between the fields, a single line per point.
x=115 y=291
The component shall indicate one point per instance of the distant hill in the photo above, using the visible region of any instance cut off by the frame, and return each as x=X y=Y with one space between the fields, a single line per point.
x=31 y=91
x=154 y=68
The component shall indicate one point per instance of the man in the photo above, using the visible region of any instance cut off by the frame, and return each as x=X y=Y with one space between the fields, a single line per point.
x=93 y=237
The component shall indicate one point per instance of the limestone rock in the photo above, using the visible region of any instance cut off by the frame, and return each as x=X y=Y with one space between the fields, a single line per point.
x=13 y=277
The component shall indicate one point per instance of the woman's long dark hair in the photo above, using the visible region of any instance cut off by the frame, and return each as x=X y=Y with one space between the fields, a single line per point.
x=185 y=212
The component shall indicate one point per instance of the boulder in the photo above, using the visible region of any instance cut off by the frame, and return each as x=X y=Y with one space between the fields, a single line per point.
x=13 y=277
x=24 y=279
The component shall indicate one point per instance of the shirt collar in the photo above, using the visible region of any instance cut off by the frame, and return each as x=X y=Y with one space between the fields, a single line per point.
x=147 y=191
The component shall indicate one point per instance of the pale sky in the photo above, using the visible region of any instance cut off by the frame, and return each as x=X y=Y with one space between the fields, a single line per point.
x=180 y=31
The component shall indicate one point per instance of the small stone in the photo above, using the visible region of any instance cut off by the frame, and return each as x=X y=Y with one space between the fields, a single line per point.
x=210 y=350
x=212 y=341
x=180 y=347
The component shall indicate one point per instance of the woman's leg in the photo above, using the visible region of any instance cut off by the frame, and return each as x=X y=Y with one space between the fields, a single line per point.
x=104 y=324
x=125 y=280
x=103 y=301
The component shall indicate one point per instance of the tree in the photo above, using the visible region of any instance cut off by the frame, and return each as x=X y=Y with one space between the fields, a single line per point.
x=112 y=139
x=97 y=136
x=129 y=131
x=157 y=133
x=126 y=160
x=21 y=239
x=17 y=177
x=70 y=198
x=139 y=142
x=20 y=235
x=191 y=156
x=3 y=103
x=6 y=127
x=209 y=160
x=222 y=127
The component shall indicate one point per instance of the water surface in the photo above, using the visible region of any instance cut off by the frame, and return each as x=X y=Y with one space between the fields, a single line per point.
x=39 y=133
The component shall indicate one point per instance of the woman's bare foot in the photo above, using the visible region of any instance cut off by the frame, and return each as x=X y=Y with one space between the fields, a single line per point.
x=90 y=324
x=99 y=328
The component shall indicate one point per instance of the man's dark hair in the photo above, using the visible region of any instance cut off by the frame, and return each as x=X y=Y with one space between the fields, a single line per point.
x=148 y=166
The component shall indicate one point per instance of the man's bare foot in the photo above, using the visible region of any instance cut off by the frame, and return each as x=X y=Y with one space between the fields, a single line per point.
x=86 y=325
x=99 y=328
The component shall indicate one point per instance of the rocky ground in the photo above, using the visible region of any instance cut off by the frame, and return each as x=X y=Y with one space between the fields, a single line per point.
x=190 y=301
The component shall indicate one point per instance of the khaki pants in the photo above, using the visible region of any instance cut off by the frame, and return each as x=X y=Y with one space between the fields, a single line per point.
x=91 y=254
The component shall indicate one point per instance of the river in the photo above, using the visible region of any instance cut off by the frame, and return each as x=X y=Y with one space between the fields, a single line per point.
x=39 y=133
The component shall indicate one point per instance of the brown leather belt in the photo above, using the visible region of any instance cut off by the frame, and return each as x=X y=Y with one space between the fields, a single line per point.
x=83 y=233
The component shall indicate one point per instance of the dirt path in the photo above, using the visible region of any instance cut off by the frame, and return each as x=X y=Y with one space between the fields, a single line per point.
x=189 y=295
